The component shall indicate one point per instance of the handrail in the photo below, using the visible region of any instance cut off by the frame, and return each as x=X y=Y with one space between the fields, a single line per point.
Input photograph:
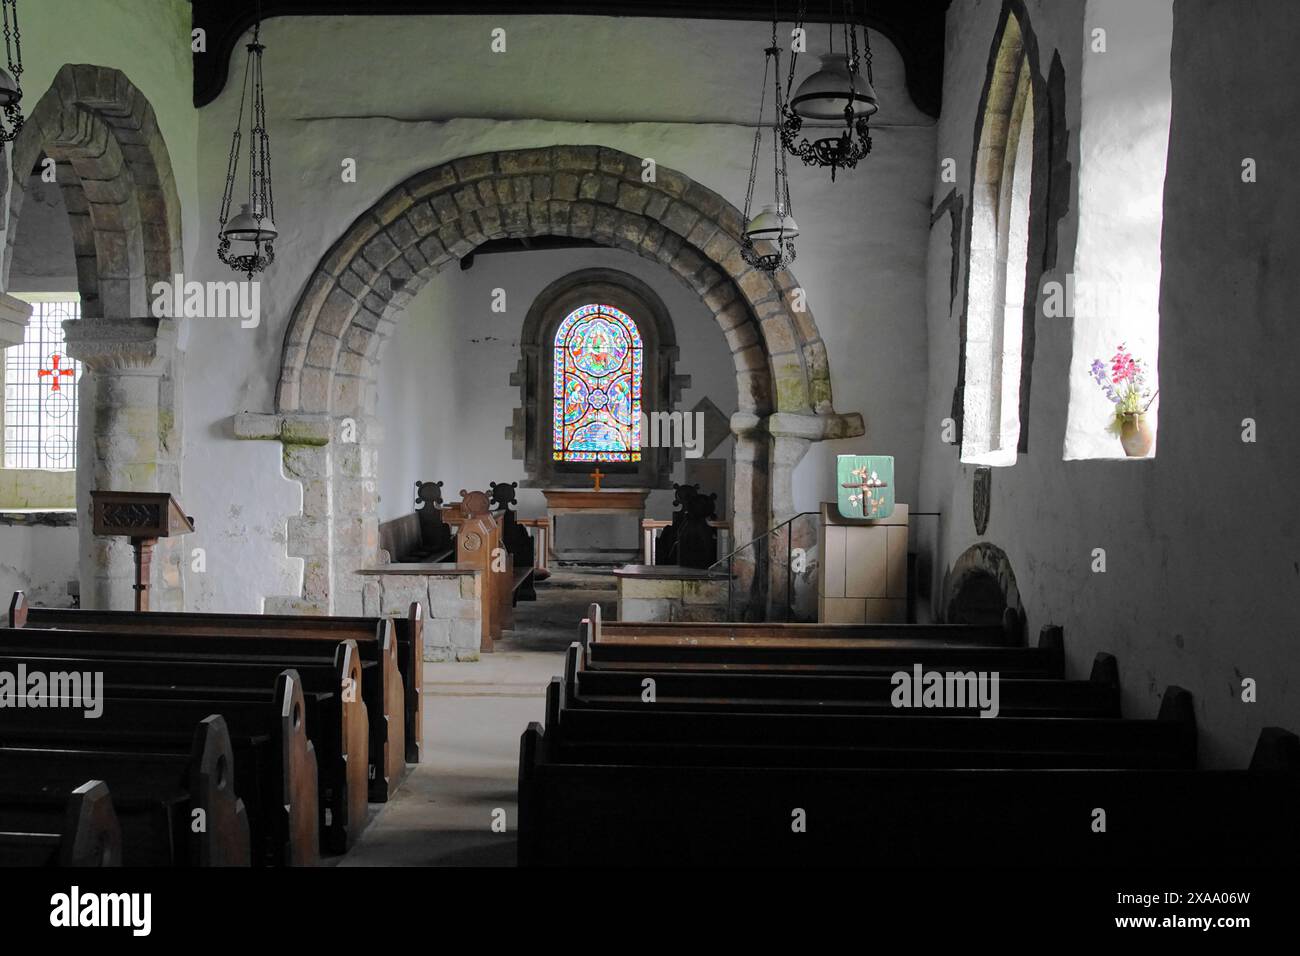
x=771 y=530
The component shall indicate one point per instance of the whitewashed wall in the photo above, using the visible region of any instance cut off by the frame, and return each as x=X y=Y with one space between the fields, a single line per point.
x=399 y=95
x=39 y=560
x=1201 y=580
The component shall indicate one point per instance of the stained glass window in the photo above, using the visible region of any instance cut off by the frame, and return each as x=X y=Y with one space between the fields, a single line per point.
x=40 y=385
x=597 y=414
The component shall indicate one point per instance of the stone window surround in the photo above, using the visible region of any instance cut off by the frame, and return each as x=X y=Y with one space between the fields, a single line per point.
x=1049 y=197
x=998 y=257
x=661 y=389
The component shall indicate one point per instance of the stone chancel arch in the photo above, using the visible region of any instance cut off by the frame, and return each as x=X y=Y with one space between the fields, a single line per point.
x=350 y=306
x=113 y=168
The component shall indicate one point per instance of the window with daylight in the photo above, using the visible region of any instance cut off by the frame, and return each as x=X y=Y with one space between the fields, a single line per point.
x=597 y=386
x=40 y=392
x=999 y=258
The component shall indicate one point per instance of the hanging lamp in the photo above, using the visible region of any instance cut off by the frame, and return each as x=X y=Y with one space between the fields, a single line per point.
x=774 y=225
x=254 y=225
x=839 y=91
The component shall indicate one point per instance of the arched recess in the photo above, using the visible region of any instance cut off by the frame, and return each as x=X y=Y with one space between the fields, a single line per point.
x=118 y=185
x=1017 y=107
x=351 y=304
x=980 y=588
x=531 y=430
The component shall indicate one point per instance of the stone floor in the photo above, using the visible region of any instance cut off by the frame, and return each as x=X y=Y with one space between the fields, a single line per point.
x=474 y=713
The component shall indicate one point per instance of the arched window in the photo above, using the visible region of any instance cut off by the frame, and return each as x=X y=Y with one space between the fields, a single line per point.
x=598 y=351
x=999 y=258
x=597 y=386
x=40 y=390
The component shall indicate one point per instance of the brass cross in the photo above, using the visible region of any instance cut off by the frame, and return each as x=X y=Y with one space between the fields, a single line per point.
x=596 y=476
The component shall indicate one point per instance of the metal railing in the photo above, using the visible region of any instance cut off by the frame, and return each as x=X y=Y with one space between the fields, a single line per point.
x=760 y=562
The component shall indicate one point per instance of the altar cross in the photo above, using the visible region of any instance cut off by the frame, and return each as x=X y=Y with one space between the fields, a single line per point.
x=596 y=476
x=865 y=485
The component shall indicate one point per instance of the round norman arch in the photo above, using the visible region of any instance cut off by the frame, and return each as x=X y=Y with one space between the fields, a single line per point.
x=117 y=182
x=350 y=306
x=980 y=588
x=113 y=169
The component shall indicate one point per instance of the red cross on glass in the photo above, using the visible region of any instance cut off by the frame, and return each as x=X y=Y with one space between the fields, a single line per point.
x=55 y=373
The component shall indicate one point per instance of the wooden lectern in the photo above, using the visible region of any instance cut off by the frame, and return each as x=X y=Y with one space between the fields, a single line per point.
x=144 y=517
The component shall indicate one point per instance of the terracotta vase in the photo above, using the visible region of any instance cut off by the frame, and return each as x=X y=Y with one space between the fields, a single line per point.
x=1135 y=434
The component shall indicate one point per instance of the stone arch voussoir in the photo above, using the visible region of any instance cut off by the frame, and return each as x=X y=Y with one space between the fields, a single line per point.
x=123 y=202
x=443 y=214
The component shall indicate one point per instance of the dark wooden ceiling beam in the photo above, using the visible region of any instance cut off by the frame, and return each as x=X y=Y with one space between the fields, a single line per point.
x=915 y=27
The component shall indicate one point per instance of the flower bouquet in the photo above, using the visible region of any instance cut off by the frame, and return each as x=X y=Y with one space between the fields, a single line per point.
x=1125 y=386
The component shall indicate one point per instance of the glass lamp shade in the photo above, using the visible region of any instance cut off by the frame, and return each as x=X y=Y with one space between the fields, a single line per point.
x=825 y=94
x=247 y=227
x=772 y=225
x=9 y=92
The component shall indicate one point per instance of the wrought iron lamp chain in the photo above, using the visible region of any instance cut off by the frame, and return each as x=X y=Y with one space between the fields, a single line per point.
x=758 y=145
x=782 y=243
x=14 y=56
x=261 y=207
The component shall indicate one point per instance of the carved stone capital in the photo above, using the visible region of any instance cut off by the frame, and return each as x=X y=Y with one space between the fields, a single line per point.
x=135 y=345
x=14 y=315
x=801 y=427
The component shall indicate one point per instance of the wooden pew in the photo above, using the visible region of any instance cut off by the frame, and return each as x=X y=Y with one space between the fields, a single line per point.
x=919 y=739
x=393 y=691
x=336 y=719
x=631 y=814
x=479 y=545
x=833 y=655
x=1006 y=635
x=815 y=692
x=157 y=790
x=274 y=766
x=48 y=829
x=516 y=540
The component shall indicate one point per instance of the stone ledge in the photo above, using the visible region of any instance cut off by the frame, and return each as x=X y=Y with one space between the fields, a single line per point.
x=39 y=517
x=290 y=429
x=14 y=316
x=667 y=572
x=822 y=427
x=428 y=570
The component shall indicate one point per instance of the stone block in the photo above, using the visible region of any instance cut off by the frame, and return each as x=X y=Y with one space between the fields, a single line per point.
x=702 y=613
x=467 y=634
x=705 y=592
x=431 y=181
x=437 y=633
x=646 y=609
x=649 y=588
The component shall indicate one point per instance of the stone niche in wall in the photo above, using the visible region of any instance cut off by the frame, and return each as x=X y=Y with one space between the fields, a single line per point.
x=980 y=588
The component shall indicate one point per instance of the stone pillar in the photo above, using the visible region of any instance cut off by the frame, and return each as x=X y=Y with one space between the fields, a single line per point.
x=123 y=361
x=751 y=514
x=356 y=510
x=789 y=438
x=307 y=455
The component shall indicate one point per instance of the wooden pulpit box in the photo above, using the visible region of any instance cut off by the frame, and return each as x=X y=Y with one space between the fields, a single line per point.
x=138 y=514
x=862 y=571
